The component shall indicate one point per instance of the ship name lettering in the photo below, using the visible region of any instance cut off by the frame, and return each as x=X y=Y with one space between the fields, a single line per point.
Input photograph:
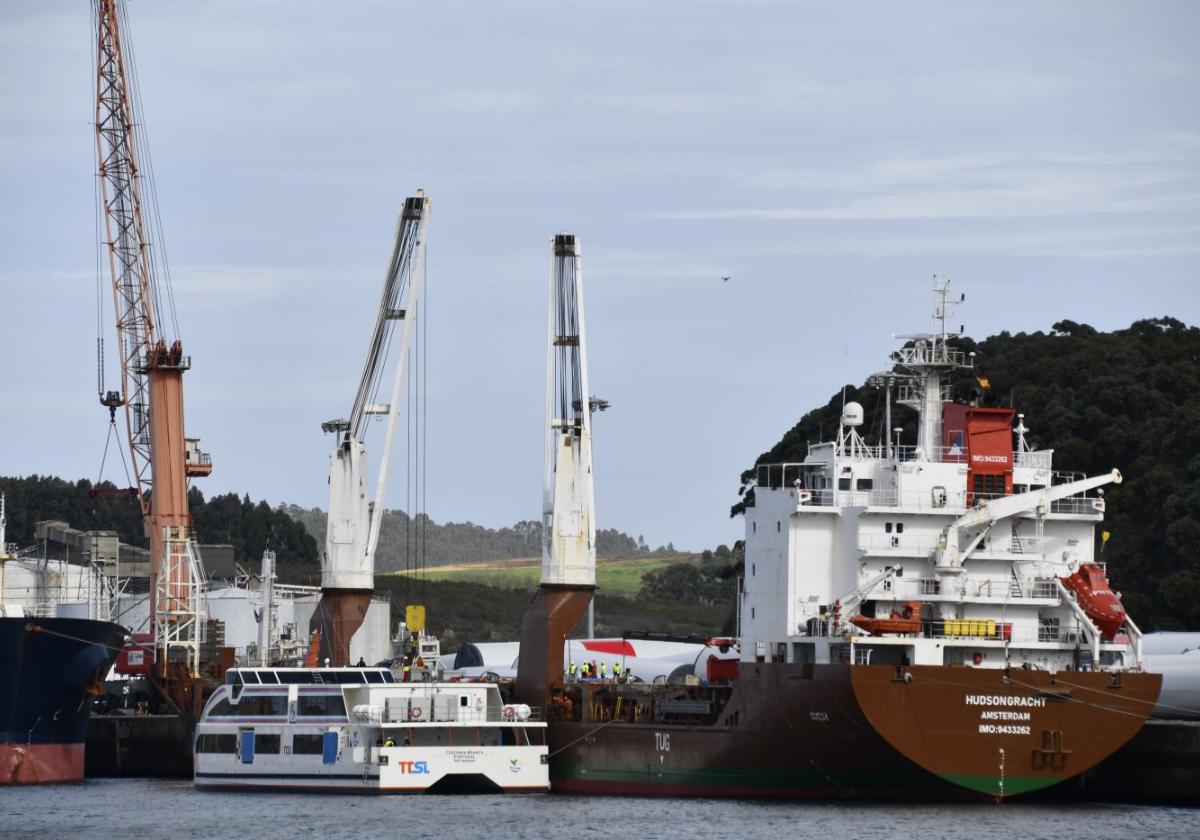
x=662 y=741
x=1004 y=700
x=999 y=714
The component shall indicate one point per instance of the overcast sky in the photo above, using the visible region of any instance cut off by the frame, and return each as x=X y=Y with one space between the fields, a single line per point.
x=830 y=157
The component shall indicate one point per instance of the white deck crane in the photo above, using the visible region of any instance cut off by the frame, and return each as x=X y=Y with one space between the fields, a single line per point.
x=949 y=556
x=568 y=513
x=352 y=530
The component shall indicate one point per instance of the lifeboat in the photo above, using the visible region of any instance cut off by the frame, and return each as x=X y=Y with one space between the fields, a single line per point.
x=1090 y=587
x=907 y=620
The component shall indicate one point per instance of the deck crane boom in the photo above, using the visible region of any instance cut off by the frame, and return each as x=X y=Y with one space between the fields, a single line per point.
x=152 y=366
x=352 y=530
x=568 y=578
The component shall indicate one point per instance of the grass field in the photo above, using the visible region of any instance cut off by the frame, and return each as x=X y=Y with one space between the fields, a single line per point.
x=618 y=575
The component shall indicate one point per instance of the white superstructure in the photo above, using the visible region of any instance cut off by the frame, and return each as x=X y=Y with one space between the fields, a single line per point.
x=954 y=551
x=357 y=730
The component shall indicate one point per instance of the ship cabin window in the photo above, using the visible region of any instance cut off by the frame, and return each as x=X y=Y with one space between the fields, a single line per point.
x=249 y=678
x=224 y=743
x=321 y=705
x=261 y=705
x=899 y=527
x=754 y=527
x=753 y=569
x=268 y=678
x=373 y=676
x=1020 y=488
x=864 y=484
x=887 y=527
x=308 y=744
x=266 y=743
x=843 y=483
x=988 y=486
x=778 y=526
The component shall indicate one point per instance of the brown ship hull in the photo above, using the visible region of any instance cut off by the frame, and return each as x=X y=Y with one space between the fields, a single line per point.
x=836 y=731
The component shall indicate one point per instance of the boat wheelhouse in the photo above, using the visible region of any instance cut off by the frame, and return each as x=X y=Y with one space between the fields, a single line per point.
x=358 y=730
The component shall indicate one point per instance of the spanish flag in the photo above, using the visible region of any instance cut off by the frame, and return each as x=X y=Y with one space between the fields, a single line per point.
x=983 y=382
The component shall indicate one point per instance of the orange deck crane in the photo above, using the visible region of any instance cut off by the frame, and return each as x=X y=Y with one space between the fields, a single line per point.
x=152 y=365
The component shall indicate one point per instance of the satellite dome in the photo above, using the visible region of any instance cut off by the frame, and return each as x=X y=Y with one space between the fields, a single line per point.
x=852 y=414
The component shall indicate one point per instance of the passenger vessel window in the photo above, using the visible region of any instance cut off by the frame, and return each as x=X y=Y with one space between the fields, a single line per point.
x=264 y=743
x=887 y=527
x=899 y=527
x=249 y=678
x=223 y=709
x=374 y=677
x=223 y=743
x=260 y=705
x=843 y=484
x=321 y=705
x=865 y=483
x=308 y=744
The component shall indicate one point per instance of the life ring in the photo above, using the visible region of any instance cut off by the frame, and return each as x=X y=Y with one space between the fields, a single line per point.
x=509 y=713
x=414 y=713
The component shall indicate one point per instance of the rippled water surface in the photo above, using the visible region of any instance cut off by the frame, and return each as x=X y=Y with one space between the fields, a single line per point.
x=145 y=809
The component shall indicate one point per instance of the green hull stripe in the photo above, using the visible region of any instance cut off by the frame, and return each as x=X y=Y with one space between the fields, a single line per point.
x=781 y=779
x=1012 y=784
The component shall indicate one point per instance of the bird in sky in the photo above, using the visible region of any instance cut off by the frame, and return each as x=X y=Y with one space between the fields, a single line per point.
x=726 y=277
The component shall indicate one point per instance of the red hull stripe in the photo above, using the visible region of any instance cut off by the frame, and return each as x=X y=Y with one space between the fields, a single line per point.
x=32 y=764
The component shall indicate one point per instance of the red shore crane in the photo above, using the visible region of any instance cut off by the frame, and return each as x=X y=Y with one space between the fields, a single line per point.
x=152 y=365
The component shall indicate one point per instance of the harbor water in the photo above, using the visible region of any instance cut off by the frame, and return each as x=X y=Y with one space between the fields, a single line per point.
x=149 y=809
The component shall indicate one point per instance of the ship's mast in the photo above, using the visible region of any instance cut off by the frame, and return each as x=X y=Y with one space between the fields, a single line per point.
x=152 y=367
x=352 y=530
x=927 y=360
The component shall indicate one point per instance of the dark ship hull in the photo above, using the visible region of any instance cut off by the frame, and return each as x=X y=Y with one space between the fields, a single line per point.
x=50 y=669
x=836 y=731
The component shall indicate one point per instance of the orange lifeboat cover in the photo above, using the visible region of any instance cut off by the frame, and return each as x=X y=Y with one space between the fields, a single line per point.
x=1092 y=591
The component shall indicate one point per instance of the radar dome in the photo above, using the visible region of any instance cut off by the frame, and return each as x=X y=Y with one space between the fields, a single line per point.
x=852 y=414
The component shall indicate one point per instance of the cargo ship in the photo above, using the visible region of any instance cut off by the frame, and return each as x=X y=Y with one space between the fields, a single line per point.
x=51 y=668
x=926 y=620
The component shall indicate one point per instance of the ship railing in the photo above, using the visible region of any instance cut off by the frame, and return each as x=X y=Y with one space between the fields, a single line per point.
x=1039 y=460
x=905 y=543
x=1078 y=505
x=934 y=353
x=1044 y=588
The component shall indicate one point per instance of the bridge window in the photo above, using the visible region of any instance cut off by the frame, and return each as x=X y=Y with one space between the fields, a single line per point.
x=264 y=743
